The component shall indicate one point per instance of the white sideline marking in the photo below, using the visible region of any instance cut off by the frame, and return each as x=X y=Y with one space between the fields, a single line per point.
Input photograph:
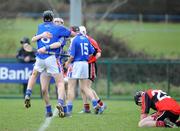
x=48 y=121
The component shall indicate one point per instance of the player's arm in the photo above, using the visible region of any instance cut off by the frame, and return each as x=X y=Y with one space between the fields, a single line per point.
x=98 y=55
x=43 y=35
x=146 y=105
x=71 y=52
x=68 y=61
x=52 y=46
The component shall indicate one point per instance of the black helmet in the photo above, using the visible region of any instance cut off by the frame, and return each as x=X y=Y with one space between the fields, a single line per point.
x=24 y=40
x=75 y=28
x=48 y=16
x=137 y=96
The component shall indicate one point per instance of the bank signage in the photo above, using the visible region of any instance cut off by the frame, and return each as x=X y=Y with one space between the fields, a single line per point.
x=15 y=72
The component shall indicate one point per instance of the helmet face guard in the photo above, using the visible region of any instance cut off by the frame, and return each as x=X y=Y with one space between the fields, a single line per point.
x=48 y=16
x=137 y=97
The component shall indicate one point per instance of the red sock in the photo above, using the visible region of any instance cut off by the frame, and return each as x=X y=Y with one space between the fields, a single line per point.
x=160 y=124
x=86 y=107
x=100 y=102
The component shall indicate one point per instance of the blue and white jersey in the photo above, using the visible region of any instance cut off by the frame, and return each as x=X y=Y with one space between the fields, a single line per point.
x=56 y=31
x=62 y=40
x=81 y=48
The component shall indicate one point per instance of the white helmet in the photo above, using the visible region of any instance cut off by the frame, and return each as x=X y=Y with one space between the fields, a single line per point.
x=82 y=30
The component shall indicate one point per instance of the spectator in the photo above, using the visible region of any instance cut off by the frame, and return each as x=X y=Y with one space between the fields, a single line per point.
x=25 y=57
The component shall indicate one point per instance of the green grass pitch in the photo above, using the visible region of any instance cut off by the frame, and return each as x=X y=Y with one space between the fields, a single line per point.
x=119 y=116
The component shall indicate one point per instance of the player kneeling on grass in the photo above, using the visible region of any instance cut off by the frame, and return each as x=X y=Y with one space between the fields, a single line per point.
x=167 y=109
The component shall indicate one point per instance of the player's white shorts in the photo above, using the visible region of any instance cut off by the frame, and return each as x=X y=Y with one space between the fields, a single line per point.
x=80 y=70
x=49 y=65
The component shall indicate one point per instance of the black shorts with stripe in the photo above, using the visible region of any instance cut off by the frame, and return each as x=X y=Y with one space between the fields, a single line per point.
x=92 y=71
x=167 y=114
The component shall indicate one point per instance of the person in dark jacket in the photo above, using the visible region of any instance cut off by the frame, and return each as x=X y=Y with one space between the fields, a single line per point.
x=25 y=57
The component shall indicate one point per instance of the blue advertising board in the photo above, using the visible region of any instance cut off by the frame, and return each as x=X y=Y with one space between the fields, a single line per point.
x=16 y=72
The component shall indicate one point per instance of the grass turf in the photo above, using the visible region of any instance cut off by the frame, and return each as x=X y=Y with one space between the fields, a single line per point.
x=119 y=116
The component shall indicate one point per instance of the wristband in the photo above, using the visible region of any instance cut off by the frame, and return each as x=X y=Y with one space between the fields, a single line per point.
x=47 y=47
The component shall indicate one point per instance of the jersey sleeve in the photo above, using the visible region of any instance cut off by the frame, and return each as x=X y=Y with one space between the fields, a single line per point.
x=94 y=44
x=72 y=48
x=91 y=49
x=146 y=104
x=64 y=31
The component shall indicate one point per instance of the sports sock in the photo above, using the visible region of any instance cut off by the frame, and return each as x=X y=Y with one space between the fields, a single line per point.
x=160 y=124
x=69 y=106
x=100 y=102
x=48 y=108
x=87 y=107
x=65 y=108
x=61 y=102
x=94 y=103
x=28 y=92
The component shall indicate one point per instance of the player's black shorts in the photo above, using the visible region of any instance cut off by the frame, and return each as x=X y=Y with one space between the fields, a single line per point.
x=167 y=114
x=92 y=71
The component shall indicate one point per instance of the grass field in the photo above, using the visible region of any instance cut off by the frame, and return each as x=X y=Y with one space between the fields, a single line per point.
x=119 y=116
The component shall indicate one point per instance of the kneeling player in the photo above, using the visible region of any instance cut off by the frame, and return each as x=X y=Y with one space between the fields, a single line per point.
x=168 y=110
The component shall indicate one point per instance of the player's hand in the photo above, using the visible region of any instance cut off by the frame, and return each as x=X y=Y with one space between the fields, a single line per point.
x=92 y=59
x=27 y=59
x=46 y=35
x=65 y=65
x=41 y=50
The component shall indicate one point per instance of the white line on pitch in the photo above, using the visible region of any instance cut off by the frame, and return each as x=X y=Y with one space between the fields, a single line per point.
x=47 y=121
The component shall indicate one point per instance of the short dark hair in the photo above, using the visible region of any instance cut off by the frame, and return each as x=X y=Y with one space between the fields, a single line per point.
x=48 y=16
x=25 y=40
x=137 y=96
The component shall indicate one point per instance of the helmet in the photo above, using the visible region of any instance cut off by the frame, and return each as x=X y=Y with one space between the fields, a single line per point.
x=25 y=40
x=137 y=96
x=48 y=16
x=75 y=28
x=82 y=30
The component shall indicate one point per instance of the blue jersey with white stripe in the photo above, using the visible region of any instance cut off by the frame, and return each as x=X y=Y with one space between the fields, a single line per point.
x=81 y=48
x=56 y=31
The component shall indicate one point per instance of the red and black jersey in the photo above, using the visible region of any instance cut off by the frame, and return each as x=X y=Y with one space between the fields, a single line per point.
x=160 y=101
x=96 y=47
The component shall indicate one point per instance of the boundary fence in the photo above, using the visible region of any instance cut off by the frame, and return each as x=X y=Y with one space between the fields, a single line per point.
x=113 y=72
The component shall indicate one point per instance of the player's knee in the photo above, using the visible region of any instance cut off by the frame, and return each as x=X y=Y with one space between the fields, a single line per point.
x=140 y=124
x=44 y=91
x=34 y=73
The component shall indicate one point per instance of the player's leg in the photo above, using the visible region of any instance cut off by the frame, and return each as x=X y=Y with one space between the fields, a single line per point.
x=38 y=67
x=158 y=119
x=61 y=93
x=52 y=67
x=88 y=92
x=71 y=94
x=85 y=103
x=45 y=81
x=92 y=76
x=31 y=83
x=169 y=119
x=148 y=122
